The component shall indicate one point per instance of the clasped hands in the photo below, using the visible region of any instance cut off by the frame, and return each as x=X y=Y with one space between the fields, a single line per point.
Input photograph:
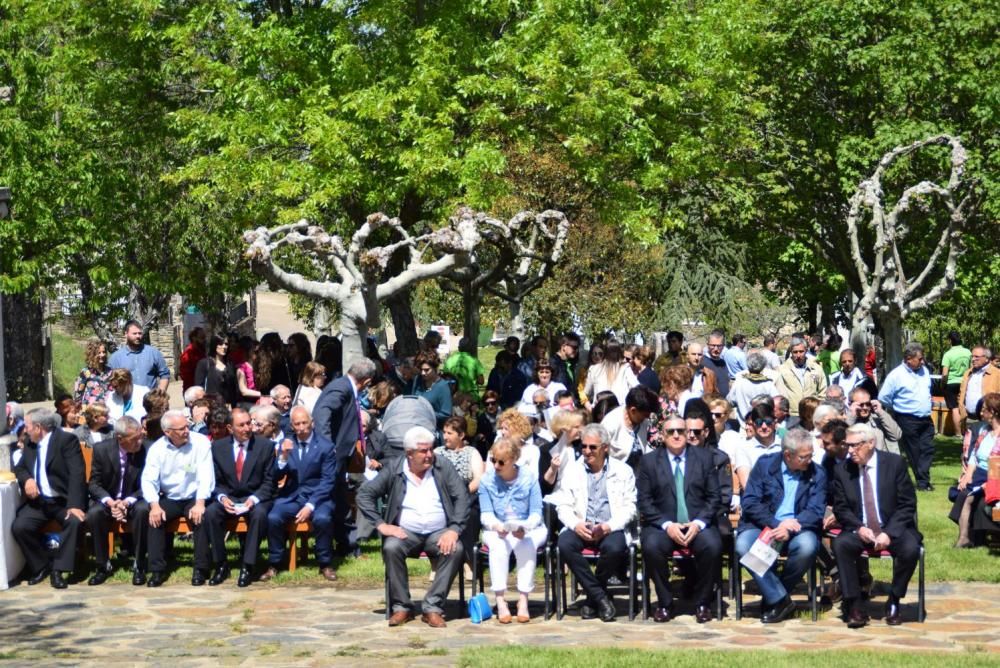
x=879 y=542
x=683 y=534
x=118 y=508
x=518 y=533
x=592 y=533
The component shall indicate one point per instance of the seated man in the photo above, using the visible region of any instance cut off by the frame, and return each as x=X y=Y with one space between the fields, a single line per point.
x=116 y=496
x=244 y=485
x=678 y=489
x=309 y=467
x=53 y=483
x=761 y=425
x=177 y=481
x=595 y=503
x=875 y=504
x=787 y=493
x=426 y=508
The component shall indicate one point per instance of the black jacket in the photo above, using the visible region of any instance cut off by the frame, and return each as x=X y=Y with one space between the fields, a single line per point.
x=897 y=501
x=258 y=470
x=64 y=468
x=658 y=497
x=105 y=471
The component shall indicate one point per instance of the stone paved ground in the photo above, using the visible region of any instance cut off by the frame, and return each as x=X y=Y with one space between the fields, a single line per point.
x=117 y=624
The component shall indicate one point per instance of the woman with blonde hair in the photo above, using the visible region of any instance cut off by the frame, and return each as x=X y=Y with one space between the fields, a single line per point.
x=513 y=424
x=566 y=426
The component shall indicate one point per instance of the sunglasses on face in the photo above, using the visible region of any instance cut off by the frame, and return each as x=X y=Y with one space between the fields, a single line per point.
x=695 y=432
x=718 y=415
x=590 y=448
x=764 y=422
x=490 y=403
x=674 y=432
x=499 y=462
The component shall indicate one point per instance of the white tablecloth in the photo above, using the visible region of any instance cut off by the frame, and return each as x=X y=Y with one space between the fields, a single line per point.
x=11 y=559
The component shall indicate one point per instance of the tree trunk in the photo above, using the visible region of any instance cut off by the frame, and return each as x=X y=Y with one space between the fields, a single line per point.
x=471 y=302
x=24 y=348
x=403 y=323
x=353 y=328
x=859 y=341
x=516 y=321
x=892 y=335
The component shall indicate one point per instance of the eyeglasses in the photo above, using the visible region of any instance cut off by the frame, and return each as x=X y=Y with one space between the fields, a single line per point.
x=628 y=359
x=499 y=462
x=764 y=422
x=489 y=403
x=695 y=432
x=543 y=404
x=864 y=404
x=674 y=432
x=854 y=445
x=718 y=415
x=590 y=448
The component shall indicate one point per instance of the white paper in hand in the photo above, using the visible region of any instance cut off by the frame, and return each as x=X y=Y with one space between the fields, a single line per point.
x=763 y=553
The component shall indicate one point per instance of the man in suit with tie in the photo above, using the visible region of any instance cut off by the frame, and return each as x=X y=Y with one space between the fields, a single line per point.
x=244 y=485
x=53 y=482
x=116 y=496
x=309 y=464
x=337 y=419
x=678 y=490
x=875 y=505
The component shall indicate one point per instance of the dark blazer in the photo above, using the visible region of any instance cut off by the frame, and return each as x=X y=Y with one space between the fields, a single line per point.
x=310 y=480
x=724 y=469
x=335 y=416
x=766 y=490
x=64 y=468
x=658 y=498
x=390 y=484
x=897 y=501
x=258 y=470
x=105 y=471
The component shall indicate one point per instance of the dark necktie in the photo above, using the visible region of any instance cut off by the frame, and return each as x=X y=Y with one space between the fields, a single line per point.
x=123 y=463
x=239 y=461
x=871 y=513
x=682 y=509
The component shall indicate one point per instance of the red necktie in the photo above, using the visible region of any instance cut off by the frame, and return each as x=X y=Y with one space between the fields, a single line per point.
x=239 y=463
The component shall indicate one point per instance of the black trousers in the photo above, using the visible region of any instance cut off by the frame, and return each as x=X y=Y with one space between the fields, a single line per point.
x=613 y=551
x=27 y=529
x=158 y=536
x=657 y=549
x=215 y=523
x=344 y=528
x=918 y=443
x=100 y=522
x=848 y=547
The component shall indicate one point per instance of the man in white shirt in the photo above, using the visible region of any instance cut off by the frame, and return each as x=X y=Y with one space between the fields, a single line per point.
x=761 y=424
x=177 y=481
x=628 y=425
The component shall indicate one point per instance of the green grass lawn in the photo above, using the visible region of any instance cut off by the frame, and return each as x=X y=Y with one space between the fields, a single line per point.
x=601 y=657
x=67 y=360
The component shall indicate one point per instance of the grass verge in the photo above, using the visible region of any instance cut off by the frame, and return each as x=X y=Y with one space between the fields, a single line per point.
x=67 y=360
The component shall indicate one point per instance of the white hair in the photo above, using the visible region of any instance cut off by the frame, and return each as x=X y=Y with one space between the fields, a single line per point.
x=863 y=430
x=190 y=394
x=415 y=436
x=169 y=417
x=278 y=388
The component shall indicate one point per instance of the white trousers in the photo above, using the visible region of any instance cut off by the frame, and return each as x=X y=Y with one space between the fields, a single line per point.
x=525 y=553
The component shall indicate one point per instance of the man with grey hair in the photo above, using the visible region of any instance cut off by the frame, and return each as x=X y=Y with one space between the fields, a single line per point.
x=266 y=421
x=281 y=398
x=785 y=493
x=116 y=496
x=906 y=391
x=426 y=506
x=750 y=383
x=595 y=503
x=980 y=379
x=336 y=416
x=800 y=376
x=177 y=481
x=53 y=482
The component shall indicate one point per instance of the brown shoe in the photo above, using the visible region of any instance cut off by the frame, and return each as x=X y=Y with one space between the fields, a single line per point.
x=433 y=620
x=328 y=573
x=400 y=617
x=269 y=574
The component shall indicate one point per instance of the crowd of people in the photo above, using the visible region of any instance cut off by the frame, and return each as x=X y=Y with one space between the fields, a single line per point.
x=703 y=444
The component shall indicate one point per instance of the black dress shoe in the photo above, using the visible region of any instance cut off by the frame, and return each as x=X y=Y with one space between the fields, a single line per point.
x=856 y=618
x=702 y=614
x=246 y=577
x=606 y=610
x=100 y=576
x=588 y=612
x=138 y=577
x=156 y=579
x=892 y=614
x=220 y=575
x=662 y=615
x=57 y=581
x=197 y=577
x=780 y=612
x=39 y=576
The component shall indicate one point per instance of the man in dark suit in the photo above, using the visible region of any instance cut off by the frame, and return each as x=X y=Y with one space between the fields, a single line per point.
x=309 y=464
x=337 y=419
x=116 y=496
x=678 y=490
x=244 y=485
x=875 y=505
x=53 y=481
x=426 y=508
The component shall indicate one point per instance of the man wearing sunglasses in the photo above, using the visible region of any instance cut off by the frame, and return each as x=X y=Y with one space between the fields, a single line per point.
x=595 y=503
x=678 y=491
x=786 y=493
x=865 y=410
x=762 y=426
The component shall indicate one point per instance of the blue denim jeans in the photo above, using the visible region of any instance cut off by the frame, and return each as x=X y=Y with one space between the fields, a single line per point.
x=801 y=553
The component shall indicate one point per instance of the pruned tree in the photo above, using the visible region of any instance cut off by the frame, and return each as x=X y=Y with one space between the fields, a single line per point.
x=353 y=275
x=513 y=259
x=885 y=245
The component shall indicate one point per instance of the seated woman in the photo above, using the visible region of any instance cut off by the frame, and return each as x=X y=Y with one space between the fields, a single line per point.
x=982 y=442
x=97 y=427
x=566 y=426
x=510 y=502
x=542 y=378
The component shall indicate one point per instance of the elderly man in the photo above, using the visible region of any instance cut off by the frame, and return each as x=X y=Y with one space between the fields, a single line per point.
x=783 y=420
x=751 y=383
x=53 y=483
x=876 y=508
x=116 y=496
x=865 y=410
x=595 y=503
x=177 y=481
x=192 y=394
x=979 y=380
x=800 y=376
x=786 y=493
x=144 y=362
x=907 y=391
x=426 y=508
x=678 y=491
x=628 y=425
x=281 y=398
x=266 y=421
x=309 y=465
x=714 y=360
x=244 y=485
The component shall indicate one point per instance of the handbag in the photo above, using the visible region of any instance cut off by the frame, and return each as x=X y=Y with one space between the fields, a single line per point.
x=479 y=609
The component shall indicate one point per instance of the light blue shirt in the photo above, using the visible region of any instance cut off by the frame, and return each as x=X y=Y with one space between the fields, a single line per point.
x=736 y=360
x=791 y=482
x=907 y=391
x=146 y=365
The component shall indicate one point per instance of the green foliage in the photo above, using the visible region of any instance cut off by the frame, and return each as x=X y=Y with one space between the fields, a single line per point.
x=67 y=361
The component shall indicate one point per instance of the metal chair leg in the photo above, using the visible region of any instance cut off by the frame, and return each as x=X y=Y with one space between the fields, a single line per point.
x=631 y=582
x=475 y=571
x=560 y=588
x=813 y=596
x=547 y=573
x=921 y=601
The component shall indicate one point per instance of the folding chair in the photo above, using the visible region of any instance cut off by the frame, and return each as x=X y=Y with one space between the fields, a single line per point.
x=481 y=562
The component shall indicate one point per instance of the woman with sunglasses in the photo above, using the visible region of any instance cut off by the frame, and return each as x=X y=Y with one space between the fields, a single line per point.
x=431 y=386
x=510 y=500
x=486 y=422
